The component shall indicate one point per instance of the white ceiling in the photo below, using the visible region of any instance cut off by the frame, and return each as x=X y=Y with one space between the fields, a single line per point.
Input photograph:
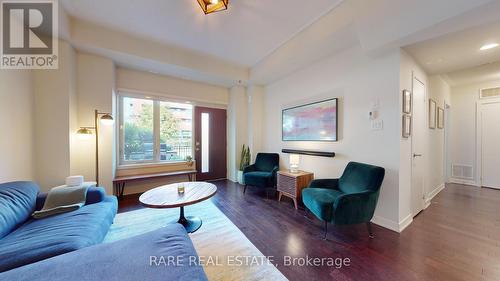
x=245 y=34
x=483 y=73
x=458 y=51
x=261 y=41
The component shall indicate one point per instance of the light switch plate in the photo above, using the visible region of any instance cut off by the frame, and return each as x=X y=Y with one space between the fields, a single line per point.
x=377 y=125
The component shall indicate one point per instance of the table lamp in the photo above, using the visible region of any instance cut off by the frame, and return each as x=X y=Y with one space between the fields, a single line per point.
x=294 y=163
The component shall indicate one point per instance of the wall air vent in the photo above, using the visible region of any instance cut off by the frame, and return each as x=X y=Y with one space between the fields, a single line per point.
x=462 y=172
x=489 y=93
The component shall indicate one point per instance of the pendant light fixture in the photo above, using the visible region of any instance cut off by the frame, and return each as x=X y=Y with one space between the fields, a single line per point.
x=211 y=6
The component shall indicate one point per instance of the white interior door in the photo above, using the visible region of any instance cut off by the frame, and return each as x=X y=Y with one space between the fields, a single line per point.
x=490 y=145
x=418 y=146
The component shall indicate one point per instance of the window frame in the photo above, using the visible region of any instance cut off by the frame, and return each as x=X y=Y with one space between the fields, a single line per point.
x=156 y=161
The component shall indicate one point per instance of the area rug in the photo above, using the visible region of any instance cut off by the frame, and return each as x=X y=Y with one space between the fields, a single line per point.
x=227 y=252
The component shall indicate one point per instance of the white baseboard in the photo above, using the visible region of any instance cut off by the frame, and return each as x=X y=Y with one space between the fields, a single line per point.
x=463 y=181
x=392 y=225
x=386 y=223
x=432 y=194
x=404 y=223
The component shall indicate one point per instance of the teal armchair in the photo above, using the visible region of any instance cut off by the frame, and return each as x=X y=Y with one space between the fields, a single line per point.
x=351 y=199
x=263 y=173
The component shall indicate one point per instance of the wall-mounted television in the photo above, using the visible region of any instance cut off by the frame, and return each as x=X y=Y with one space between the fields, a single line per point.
x=311 y=122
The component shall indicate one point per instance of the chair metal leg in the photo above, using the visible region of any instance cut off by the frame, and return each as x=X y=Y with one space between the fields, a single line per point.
x=326 y=230
x=245 y=189
x=307 y=211
x=274 y=191
x=370 y=232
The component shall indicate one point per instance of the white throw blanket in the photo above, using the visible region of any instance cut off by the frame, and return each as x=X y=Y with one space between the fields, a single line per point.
x=62 y=199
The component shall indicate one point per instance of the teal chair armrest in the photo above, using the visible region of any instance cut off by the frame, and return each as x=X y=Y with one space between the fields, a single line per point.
x=355 y=208
x=325 y=183
x=275 y=172
x=249 y=168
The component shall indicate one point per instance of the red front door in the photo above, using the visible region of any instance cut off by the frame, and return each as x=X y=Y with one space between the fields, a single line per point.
x=210 y=143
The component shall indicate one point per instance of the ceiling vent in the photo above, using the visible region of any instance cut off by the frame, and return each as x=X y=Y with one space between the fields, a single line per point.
x=489 y=93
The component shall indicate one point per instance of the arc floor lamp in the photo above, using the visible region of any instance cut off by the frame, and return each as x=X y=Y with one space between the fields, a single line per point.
x=86 y=133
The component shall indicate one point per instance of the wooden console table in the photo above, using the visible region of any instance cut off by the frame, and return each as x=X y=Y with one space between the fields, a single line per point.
x=291 y=184
x=119 y=182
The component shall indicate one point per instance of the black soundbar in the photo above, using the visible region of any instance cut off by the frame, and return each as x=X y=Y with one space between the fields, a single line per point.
x=309 y=152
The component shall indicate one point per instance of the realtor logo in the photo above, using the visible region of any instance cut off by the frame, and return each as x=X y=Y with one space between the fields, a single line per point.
x=29 y=35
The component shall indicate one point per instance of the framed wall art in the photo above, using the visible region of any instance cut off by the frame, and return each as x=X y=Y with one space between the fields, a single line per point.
x=311 y=122
x=440 y=118
x=432 y=114
x=406 y=101
x=406 y=126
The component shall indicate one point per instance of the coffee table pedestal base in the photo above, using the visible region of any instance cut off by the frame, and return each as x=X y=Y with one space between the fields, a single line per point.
x=191 y=224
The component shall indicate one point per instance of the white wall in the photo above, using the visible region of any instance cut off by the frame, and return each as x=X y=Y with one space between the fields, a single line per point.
x=463 y=126
x=256 y=119
x=434 y=176
x=237 y=134
x=54 y=91
x=151 y=55
x=171 y=87
x=17 y=126
x=358 y=81
x=409 y=70
x=95 y=84
x=440 y=92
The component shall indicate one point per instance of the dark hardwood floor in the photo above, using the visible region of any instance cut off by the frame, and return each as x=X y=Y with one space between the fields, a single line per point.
x=456 y=238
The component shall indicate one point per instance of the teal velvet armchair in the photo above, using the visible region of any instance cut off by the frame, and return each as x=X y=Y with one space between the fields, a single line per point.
x=263 y=173
x=351 y=199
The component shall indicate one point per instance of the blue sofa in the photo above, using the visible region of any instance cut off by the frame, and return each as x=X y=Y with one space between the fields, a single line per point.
x=143 y=257
x=24 y=240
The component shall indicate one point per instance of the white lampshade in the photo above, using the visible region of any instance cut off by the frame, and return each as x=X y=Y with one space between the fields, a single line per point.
x=107 y=120
x=294 y=159
x=84 y=133
x=294 y=162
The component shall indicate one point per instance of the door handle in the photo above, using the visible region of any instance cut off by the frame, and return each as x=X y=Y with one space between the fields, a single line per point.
x=417 y=155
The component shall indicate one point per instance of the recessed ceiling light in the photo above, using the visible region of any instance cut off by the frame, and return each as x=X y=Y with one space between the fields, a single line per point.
x=488 y=46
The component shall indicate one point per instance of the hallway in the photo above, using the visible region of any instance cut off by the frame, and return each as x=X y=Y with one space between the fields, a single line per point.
x=457 y=237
